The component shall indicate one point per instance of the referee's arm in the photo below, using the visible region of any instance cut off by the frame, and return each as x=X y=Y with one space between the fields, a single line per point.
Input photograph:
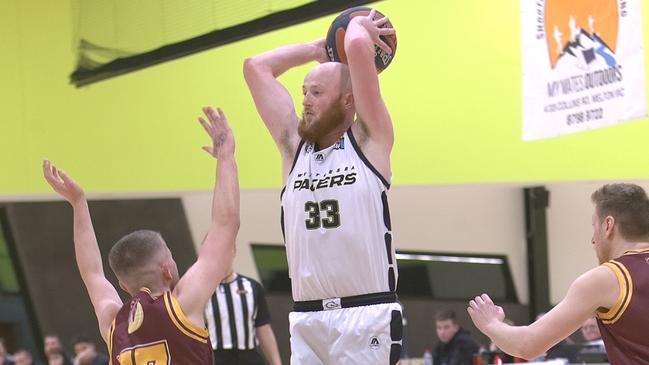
x=268 y=344
x=264 y=331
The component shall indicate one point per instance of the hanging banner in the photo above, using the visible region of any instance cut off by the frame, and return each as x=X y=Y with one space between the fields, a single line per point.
x=583 y=65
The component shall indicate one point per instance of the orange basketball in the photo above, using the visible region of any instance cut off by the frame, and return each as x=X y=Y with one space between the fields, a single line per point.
x=336 y=38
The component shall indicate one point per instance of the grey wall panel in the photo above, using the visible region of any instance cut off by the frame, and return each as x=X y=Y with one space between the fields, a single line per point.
x=43 y=239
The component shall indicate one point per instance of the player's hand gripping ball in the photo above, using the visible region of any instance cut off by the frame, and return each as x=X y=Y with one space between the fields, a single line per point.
x=336 y=38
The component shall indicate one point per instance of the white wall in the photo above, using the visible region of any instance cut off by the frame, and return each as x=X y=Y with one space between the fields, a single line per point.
x=471 y=219
x=486 y=218
x=259 y=222
x=463 y=219
x=569 y=235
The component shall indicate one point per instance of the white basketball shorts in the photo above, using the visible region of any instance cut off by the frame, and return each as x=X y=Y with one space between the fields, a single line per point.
x=364 y=335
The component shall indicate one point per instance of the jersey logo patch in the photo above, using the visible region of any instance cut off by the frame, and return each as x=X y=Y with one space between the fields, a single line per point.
x=331 y=304
x=135 y=316
x=375 y=343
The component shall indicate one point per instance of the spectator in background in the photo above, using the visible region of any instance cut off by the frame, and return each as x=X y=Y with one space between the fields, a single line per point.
x=5 y=357
x=561 y=350
x=85 y=353
x=455 y=346
x=51 y=343
x=54 y=352
x=23 y=357
x=590 y=331
x=593 y=346
x=57 y=357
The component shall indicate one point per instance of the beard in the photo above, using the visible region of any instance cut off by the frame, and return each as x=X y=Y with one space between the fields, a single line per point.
x=316 y=128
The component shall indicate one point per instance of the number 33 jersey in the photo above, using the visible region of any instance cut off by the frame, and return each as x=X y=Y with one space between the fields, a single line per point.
x=336 y=224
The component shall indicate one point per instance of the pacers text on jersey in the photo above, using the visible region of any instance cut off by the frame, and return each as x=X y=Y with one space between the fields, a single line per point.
x=325 y=182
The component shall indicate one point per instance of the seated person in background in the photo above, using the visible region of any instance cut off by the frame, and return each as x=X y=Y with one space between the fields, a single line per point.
x=57 y=357
x=85 y=353
x=590 y=332
x=593 y=349
x=565 y=350
x=23 y=357
x=52 y=344
x=455 y=346
x=5 y=357
x=562 y=350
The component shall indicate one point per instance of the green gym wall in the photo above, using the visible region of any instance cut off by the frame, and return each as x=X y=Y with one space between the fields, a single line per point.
x=453 y=90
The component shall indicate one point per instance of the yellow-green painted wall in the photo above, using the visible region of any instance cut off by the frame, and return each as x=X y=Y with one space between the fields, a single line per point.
x=453 y=91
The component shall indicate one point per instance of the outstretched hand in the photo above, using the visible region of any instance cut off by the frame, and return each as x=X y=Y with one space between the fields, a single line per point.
x=485 y=313
x=62 y=183
x=219 y=131
x=375 y=29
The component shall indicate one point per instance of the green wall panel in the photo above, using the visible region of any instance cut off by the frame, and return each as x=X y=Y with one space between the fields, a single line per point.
x=453 y=92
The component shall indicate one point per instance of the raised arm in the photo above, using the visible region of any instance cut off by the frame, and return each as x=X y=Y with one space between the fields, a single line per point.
x=273 y=102
x=598 y=288
x=216 y=255
x=362 y=33
x=103 y=295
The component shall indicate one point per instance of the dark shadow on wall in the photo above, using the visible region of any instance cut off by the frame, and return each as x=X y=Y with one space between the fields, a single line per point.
x=42 y=243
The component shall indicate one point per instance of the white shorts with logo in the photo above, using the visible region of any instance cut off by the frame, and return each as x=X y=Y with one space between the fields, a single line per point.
x=349 y=336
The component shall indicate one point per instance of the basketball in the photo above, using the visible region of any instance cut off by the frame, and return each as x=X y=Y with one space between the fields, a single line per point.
x=336 y=38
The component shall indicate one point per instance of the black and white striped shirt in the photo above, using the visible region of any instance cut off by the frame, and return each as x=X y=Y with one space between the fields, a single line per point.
x=233 y=313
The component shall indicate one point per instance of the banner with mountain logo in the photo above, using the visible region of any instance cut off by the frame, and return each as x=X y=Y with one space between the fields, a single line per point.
x=583 y=65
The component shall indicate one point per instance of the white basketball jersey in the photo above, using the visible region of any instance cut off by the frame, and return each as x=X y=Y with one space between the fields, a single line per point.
x=336 y=224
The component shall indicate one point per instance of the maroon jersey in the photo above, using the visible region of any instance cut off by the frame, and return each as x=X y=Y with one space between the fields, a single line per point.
x=155 y=331
x=625 y=326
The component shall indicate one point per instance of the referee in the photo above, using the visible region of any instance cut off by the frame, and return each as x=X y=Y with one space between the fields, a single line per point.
x=238 y=319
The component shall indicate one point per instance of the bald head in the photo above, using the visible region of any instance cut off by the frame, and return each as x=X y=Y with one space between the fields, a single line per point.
x=331 y=74
x=328 y=104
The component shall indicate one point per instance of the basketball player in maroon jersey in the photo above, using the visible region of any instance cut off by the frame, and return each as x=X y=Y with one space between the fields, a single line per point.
x=163 y=321
x=616 y=292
